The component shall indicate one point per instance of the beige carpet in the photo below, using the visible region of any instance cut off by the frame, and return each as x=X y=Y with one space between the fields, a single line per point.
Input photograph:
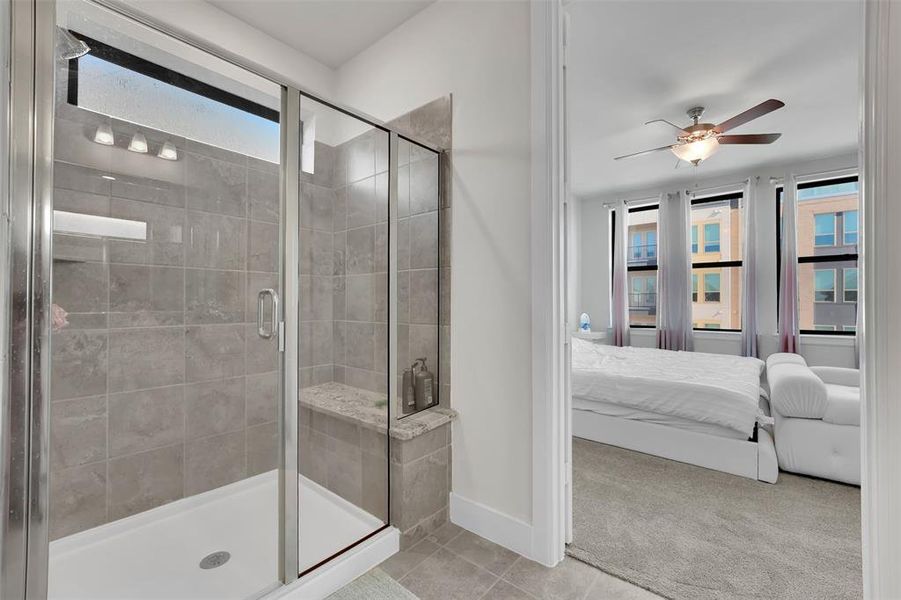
x=690 y=533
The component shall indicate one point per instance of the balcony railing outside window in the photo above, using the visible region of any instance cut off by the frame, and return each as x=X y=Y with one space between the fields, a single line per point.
x=642 y=253
x=643 y=300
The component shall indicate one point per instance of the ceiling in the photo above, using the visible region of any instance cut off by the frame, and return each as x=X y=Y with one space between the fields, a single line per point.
x=330 y=31
x=630 y=62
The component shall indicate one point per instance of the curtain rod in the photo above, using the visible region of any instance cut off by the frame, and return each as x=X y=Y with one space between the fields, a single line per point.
x=633 y=201
x=724 y=186
x=819 y=174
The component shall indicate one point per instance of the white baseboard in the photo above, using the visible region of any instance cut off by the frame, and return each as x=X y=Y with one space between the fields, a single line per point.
x=492 y=525
x=331 y=577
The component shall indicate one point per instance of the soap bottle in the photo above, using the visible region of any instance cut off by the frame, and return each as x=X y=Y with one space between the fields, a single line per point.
x=408 y=400
x=424 y=383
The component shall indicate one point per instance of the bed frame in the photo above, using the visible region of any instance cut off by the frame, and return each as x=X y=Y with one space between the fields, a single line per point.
x=746 y=458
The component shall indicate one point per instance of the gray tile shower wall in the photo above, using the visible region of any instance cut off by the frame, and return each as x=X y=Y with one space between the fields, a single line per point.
x=360 y=265
x=161 y=387
x=424 y=242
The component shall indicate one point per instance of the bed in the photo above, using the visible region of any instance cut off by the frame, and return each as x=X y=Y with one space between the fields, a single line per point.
x=704 y=409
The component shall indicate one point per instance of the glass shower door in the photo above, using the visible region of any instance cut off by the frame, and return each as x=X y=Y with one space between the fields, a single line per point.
x=165 y=369
x=343 y=415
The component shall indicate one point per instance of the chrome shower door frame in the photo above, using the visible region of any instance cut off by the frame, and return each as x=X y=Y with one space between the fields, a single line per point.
x=26 y=302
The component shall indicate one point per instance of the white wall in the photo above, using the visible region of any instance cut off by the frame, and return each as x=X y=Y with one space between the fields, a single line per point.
x=479 y=52
x=202 y=21
x=595 y=259
x=594 y=263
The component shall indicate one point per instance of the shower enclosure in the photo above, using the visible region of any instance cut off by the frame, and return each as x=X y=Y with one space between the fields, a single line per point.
x=211 y=313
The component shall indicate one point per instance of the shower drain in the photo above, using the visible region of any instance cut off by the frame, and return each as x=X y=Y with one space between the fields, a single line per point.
x=216 y=559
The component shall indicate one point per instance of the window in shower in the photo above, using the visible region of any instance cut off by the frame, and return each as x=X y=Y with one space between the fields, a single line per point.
x=120 y=84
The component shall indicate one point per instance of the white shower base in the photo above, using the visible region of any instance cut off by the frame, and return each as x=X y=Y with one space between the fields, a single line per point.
x=155 y=555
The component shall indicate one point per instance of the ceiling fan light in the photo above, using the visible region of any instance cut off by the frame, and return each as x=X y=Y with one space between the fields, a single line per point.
x=695 y=152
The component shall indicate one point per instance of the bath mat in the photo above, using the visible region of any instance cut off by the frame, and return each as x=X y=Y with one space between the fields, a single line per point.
x=689 y=533
x=374 y=585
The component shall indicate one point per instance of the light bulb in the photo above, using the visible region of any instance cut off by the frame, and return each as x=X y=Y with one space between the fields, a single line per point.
x=695 y=152
x=104 y=135
x=168 y=151
x=138 y=143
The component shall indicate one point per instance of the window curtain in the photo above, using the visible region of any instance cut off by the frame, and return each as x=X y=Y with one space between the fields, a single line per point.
x=789 y=327
x=674 y=329
x=619 y=300
x=749 y=271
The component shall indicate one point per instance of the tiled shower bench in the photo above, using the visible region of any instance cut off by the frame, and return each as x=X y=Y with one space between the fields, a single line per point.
x=343 y=433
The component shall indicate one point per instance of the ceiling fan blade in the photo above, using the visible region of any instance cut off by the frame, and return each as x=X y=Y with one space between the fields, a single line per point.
x=749 y=115
x=682 y=129
x=750 y=138
x=643 y=152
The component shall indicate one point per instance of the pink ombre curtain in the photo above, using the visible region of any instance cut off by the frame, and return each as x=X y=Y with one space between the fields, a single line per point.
x=749 y=270
x=619 y=300
x=674 y=328
x=789 y=327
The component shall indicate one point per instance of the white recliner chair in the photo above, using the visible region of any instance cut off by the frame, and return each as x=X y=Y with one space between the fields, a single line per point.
x=817 y=418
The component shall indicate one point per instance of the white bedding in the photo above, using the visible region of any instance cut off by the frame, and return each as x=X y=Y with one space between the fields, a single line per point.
x=634 y=414
x=716 y=389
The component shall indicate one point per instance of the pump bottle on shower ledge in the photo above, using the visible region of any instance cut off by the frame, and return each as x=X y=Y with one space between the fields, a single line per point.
x=424 y=383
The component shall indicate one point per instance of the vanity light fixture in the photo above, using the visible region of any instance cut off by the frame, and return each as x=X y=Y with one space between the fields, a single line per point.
x=168 y=151
x=138 y=143
x=104 y=135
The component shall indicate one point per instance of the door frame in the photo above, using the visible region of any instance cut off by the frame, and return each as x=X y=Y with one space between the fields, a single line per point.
x=880 y=148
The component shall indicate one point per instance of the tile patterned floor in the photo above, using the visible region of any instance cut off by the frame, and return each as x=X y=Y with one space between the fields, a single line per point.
x=454 y=564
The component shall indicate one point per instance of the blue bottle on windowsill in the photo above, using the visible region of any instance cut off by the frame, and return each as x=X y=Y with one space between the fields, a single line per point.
x=585 y=323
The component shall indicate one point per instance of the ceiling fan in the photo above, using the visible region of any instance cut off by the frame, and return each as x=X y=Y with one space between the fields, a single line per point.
x=699 y=141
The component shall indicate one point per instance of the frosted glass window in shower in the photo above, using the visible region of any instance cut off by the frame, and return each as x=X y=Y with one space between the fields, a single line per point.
x=111 y=82
x=343 y=413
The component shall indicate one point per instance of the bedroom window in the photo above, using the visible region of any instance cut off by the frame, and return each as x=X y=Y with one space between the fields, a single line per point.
x=642 y=265
x=716 y=229
x=828 y=234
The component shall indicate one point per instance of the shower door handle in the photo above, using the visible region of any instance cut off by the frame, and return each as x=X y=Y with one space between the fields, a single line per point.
x=261 y=307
